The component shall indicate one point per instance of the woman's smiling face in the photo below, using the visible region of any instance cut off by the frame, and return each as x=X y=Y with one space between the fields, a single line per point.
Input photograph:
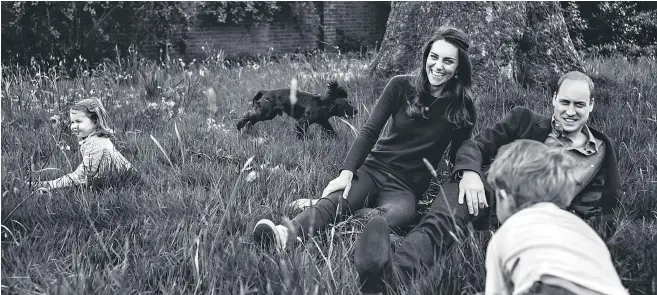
x=442 y=62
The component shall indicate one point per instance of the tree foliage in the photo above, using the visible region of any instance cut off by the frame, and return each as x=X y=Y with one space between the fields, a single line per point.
x=94 y=30
x=254 y=12
x=607 y=28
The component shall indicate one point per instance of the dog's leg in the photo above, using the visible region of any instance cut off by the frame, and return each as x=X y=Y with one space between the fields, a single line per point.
x=254 y=117
x=249 y=118
x=302 y=128
x=327 y=127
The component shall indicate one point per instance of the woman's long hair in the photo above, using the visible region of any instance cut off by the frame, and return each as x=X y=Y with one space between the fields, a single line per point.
x=461 y=110
x=96 y=112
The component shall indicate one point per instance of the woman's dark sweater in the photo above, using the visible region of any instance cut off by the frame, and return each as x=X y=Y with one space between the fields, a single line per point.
x=408 y=140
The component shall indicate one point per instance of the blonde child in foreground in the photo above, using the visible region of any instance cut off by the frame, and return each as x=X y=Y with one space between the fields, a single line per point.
x=541 y=248
x=99 y=156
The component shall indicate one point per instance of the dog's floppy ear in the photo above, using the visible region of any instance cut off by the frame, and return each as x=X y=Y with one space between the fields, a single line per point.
x=333 y=89
x=258 y=96
x=333 y=85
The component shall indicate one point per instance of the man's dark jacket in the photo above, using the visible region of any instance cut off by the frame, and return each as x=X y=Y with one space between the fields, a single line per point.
x=597 y=200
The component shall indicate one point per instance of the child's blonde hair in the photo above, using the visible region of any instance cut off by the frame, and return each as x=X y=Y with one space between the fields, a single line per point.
x=532 y=172
x=96 y=112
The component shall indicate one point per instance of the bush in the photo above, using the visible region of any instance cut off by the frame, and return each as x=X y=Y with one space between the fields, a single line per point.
x=56 y=31
x=608 y=28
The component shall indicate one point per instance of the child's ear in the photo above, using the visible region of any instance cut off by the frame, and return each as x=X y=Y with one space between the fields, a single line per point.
x=507 y=198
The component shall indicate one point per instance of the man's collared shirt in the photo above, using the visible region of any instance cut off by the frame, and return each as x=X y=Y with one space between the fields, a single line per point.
x=589 y=157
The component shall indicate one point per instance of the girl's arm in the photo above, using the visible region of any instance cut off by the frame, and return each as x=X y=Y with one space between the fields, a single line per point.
x=93 y=156
x=73 y=178
x=371 y=131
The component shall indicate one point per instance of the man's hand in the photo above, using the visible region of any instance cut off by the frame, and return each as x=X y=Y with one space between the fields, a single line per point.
x=472 y=189
x=342 y=182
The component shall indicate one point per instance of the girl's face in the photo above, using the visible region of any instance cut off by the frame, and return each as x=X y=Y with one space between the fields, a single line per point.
x=442 y=62
x=81 y=124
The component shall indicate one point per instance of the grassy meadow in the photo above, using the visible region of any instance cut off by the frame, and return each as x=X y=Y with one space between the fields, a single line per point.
x=186 y=227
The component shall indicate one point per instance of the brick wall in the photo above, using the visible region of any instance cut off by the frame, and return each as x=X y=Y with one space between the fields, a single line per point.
x=359 y=22
x=240 y=40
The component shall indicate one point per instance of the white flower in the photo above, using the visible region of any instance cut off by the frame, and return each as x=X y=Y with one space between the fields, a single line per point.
x=251 y=176
x=260 y=140
x=54 y=120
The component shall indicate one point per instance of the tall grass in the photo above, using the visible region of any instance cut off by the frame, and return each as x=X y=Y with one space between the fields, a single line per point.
x=186 y=227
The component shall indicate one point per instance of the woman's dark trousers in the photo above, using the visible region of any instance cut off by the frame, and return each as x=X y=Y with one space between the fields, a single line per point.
x=372 y=192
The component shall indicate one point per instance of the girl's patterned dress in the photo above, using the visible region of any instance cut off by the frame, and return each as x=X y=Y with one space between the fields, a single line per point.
x=99 y=156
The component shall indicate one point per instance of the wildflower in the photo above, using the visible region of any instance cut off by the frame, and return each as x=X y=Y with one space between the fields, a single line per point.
x=260 y=140
x=251 y=176
x=54 y=120
x=293 y=91
x=64 y=147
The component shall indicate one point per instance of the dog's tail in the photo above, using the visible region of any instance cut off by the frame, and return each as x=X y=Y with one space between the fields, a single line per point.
x=257 y=96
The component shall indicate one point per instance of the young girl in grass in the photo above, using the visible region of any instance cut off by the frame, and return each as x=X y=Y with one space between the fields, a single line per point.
x=99 y=156
x=540 y=247
x=428 y=111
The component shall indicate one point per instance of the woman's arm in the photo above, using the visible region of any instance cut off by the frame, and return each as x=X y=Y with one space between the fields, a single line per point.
x=371 y=131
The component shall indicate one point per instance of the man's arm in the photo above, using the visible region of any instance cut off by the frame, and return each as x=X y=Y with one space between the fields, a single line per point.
x=475 y=153
x=460 y=136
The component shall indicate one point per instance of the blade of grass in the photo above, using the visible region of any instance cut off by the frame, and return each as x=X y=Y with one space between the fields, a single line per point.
x=180 y=143
x=353 y=129
x=162 y=150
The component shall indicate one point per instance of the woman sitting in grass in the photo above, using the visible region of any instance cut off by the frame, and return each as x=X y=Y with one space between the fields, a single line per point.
x=427 y=111
x=540 y=247
x=99 y=156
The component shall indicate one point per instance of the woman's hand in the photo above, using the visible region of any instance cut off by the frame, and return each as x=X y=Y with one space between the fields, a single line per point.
x=342 y=182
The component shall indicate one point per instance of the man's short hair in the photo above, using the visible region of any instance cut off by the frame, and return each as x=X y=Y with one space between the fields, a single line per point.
x=576 y=76
x=532 y=172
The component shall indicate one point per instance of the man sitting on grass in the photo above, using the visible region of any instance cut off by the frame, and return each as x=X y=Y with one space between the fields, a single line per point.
x=541 y=248
x=596 y=173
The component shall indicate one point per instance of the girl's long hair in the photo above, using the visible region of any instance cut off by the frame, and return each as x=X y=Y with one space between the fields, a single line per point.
x=461 y=110
x=96 y=112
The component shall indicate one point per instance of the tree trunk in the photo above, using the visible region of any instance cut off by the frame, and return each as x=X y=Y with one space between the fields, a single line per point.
x=546 y=50
x=523 y=41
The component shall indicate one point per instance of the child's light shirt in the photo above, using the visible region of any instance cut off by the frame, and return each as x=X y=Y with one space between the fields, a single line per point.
x=99 y=156
x=549 y=243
